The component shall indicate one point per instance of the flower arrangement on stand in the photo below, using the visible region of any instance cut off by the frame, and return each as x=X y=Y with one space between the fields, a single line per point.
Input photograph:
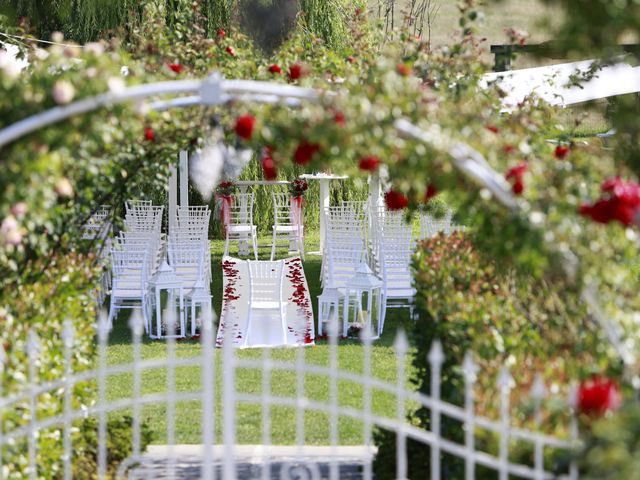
x=297 y=189
x=224 y=192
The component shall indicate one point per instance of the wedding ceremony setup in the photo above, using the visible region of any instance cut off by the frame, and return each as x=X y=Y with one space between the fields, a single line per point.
x=292 y=239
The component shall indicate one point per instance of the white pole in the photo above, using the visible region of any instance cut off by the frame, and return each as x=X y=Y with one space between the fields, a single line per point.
x=173 y=196
x=325 y=202
x=184 y=178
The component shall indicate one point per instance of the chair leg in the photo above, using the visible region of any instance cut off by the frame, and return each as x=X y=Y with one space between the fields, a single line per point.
x=254 y=237
x=226 y=245
x=283 y=320
x=112 y=309
x=273 y=245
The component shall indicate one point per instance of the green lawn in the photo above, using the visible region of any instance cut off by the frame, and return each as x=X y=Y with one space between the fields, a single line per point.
x=249 y=380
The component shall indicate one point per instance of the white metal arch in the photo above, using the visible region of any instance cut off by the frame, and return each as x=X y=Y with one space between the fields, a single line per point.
x=215 y=90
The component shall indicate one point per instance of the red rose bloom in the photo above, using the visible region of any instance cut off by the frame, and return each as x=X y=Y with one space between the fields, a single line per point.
x=515 y=174
x=561 y=151
x=339 y=118
x=231 y=51
x=518 y=186
x=369 y=164
x=395 y=200
x=221 y=33
x=351 y=59
x=620 y=202
x=269 y=170
x=176 y=67
x=296 y=71
x=244 y=126
x=275 y=68
x=403 y=69
x=148 y=134
x=431 y=192
x=492 y=128
x=597 y=396
x=305 y=152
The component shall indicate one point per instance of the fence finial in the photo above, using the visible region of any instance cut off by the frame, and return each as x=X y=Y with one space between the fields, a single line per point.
x=538 y=389
x=401 y=343
x=505 y=380
x=436 y=355
x=68 y=333
x=469 y=367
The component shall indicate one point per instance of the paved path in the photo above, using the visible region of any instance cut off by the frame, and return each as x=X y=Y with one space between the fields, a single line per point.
x=283 y=462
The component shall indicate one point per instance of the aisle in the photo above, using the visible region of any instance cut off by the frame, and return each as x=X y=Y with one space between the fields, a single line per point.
x=234 y=313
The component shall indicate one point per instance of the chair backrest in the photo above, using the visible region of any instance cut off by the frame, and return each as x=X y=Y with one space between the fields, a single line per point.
x=431 y=226
x=342 y=260
x=187 y=255
x=130 y=266
x=281 y=208
x=265 y=281
x=241 y=211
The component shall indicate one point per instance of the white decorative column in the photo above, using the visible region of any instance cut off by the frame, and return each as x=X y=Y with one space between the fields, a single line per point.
x=184 y=178
x=173 y=196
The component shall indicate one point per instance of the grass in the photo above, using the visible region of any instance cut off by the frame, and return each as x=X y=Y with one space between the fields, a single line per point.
x=249 y=418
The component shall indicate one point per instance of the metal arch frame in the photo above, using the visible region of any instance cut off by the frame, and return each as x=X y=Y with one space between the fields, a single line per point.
x=215 y=90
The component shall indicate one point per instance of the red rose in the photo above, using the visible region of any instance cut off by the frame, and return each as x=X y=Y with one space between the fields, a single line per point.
x=561 y=151
x=230 y=51
x=508 y=149
x=275 y=68
x=269 y=170
x=244 y=126
x=431 y=192
x=395 y=200
x=369 y=164
x=176 y=67
x=339 y=118
x=518 y=186
x=492 y=128
x=403 y=69
x=621 y=203
x=296 y=71
x=305 y=152
x=517 y=171
x=221 y=33
x=148 y=134
x=597 y=396
x=351 y=59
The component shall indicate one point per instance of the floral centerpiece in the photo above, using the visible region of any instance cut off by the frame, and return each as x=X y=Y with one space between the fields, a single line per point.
x=224 y=191
x=298 y=187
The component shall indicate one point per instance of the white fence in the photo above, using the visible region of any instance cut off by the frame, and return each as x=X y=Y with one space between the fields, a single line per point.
x=220 y=461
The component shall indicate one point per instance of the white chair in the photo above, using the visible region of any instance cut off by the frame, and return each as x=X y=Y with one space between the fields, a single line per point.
x=130 y=276
x=265 y=296
x=431 y=226
x=241 y=227
x=292 y=229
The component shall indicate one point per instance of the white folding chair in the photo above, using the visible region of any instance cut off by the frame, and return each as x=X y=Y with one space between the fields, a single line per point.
x=241 y=227
x=285 y=225
x=265 y=296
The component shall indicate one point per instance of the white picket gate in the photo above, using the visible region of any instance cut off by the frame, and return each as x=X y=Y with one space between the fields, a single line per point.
x=220 y=461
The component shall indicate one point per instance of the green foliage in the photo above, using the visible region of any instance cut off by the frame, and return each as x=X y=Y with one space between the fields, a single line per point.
x=119 y=445
x=469 y=305
x=611 y=448
x=327 y=20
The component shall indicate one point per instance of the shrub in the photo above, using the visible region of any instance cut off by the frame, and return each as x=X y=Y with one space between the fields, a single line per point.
x=468 y=304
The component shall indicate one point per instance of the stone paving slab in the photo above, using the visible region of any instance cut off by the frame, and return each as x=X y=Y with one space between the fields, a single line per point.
x=282 y=461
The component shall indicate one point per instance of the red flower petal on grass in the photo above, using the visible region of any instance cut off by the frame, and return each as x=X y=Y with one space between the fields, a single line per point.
x=561 y=151
x=598 y=396
x=305 y=152
x=395 y=200
x=148 y=134
x=369 y=164
x=244 y=126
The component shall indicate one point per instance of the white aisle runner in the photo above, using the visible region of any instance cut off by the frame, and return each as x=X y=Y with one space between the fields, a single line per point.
x=235 y=307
